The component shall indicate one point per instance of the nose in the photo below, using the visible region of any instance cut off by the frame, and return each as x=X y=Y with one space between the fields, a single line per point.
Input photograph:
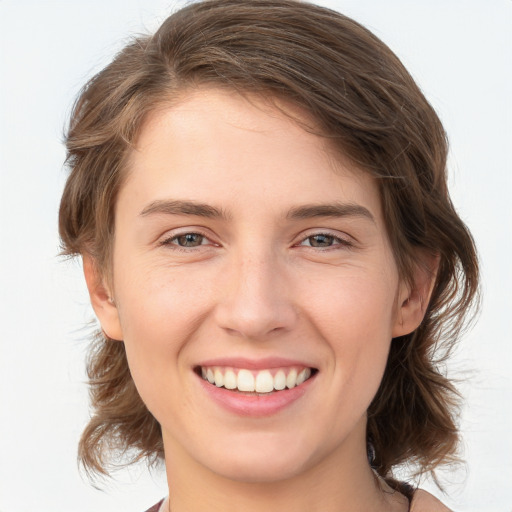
x=256 y=299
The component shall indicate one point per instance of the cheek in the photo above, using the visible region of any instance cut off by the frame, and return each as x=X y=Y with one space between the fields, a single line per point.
x=355 y=320
x=159 y=313
x=355 y=304
x=156 y=299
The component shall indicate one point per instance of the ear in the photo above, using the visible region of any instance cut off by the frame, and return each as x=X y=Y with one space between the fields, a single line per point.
x=413 y=299
x=101 y=299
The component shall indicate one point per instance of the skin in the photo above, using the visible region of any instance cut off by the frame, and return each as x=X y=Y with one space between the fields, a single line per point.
x=256 y=286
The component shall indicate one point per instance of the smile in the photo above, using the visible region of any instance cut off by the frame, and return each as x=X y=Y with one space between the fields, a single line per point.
x=255 y=381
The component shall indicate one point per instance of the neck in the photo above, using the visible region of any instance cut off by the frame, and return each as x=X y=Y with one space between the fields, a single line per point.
x=328 y=486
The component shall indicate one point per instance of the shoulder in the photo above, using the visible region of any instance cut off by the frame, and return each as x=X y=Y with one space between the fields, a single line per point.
x=422 y=501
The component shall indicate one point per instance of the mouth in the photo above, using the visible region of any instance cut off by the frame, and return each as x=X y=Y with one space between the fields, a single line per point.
x=255 y=382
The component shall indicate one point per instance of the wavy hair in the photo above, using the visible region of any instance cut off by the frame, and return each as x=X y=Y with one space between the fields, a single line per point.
x=363 y=100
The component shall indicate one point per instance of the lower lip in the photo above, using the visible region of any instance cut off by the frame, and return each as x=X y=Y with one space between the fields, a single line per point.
x=265 y=404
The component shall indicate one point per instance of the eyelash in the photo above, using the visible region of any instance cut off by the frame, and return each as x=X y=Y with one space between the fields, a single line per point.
x=169 y=241
x=336 y=241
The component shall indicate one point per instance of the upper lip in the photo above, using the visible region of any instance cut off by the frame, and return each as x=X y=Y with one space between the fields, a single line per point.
x=254 y=364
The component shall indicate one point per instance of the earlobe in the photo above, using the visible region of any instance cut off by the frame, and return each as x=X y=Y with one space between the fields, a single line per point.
x=413 y=300
x=101 y=299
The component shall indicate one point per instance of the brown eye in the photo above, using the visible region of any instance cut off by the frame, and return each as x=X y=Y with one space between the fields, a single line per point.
x=189 y=240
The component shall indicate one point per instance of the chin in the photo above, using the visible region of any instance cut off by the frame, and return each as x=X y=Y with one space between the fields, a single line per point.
x=259 y=473
x=257 y=463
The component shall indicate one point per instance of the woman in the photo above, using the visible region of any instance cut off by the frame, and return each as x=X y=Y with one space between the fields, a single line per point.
x=258 y=193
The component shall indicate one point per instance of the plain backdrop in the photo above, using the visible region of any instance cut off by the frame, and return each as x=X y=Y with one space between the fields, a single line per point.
x=460 y=53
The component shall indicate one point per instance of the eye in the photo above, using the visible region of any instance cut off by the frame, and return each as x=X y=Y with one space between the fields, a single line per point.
x=324 y=240
x=186 y=240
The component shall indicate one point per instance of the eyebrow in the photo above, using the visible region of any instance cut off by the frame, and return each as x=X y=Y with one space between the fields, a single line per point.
x=309 y=211
x=330 y=210
x=180 y=207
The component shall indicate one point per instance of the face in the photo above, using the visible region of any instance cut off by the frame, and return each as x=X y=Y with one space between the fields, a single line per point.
x=255 y=289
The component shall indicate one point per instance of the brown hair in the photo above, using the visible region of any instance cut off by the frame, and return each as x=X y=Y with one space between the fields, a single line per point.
x=368 y=106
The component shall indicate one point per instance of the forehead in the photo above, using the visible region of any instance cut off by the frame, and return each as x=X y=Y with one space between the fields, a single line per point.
x=216 y=145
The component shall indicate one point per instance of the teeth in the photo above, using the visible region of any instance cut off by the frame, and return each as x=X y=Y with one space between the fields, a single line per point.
x=230 y=380
x=245 y=381
x=256 y=381
x=264 y=382
x=219 y=378
x=280 y=380
x=303 y=375
x=291 y=379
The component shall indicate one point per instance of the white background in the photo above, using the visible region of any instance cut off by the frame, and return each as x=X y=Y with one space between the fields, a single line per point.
x=460 y=53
